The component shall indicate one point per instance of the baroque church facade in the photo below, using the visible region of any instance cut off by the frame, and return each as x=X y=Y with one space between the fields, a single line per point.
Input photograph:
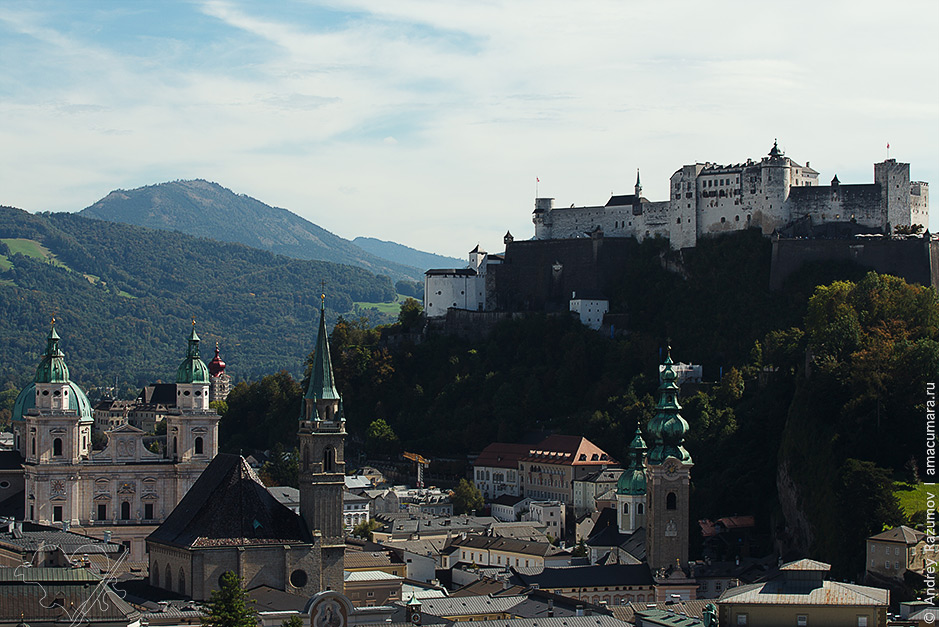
x=229 y=522
x=125 y=491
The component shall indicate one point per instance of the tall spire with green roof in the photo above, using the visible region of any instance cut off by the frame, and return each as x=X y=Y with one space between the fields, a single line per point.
x=192 y=369
x=322 y=385
x=52 y=368
x=667 y=427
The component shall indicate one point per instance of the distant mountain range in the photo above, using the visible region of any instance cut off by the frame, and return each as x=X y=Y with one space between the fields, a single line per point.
x=206 y=209
x=406 y=255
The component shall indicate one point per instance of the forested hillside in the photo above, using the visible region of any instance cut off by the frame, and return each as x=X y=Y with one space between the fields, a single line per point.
x=209 y=210
x=124 y=297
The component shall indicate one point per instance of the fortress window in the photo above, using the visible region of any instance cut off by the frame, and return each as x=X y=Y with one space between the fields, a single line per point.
x=723 y=220
x=736 y=218
x=678 y=221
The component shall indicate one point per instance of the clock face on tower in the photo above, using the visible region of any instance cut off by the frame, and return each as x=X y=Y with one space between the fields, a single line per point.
x=671 y=468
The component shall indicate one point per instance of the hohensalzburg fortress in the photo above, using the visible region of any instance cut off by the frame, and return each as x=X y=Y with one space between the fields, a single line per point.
x=771 y=194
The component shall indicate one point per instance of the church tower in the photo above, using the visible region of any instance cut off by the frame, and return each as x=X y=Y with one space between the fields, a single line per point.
x=192 y=426
x=631 y=488
x=322 y=435
x=669 y=473
x=52 y=422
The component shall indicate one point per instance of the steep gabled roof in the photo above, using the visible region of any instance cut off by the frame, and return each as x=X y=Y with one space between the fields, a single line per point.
x=568 y=450
x=228 y=506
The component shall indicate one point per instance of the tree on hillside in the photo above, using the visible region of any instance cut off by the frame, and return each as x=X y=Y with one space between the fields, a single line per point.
x=411 y=316
x=868 y=506
x=283 y=468
x=230 y=606
x=466 y=498
x=381 y=439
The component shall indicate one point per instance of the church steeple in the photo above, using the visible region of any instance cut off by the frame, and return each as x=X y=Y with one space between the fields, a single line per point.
x=322 y=462
x=633 y=479
x=322 y=385
x=667 y=427
x=638 y=185
x=192 y=369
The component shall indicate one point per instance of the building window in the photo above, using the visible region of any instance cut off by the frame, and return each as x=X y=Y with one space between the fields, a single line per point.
x=148 y=511
x=57 y=513
x=861 y=621
x=199 y=450
x=57 y=447
x=639 y=508
x=671 y=501
x=102 y=511
x=802 y=620
x=125 y=510
x=742 y=619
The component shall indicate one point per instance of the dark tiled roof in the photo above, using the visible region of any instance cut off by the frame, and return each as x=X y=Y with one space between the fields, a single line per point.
x=10 y=460
x=228 y=506
x=158 y=394
x=619 y=201
x=455 y=271
x=501 y=455
x=58 y=595
x=508 y=500
x=509 y=545
x=591 y=576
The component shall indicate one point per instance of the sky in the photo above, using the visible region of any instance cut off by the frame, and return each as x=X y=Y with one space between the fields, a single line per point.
x=431 y=123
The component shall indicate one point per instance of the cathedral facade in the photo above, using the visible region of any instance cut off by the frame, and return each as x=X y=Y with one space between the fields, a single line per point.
x=124 y=491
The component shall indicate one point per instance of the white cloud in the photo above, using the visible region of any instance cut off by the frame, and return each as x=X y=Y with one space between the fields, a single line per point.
x=427 y=122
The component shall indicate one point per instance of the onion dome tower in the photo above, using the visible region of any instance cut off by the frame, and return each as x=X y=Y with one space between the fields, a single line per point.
x=631 y=488
x=322 y=432
x=219 y=380
x=669 y=478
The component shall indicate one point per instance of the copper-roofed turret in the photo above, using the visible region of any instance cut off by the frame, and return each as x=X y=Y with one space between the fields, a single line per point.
x=667 y=427
x=192 y=369
x=52 y=368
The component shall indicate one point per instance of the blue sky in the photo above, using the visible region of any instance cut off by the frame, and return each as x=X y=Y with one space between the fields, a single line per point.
x=427 y=122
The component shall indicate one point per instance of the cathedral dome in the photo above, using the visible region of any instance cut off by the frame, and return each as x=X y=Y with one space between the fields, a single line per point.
x=192 y=369
x=27 y=400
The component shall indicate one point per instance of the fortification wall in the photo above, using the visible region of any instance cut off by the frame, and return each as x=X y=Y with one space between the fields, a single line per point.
x=916 y=260
x=542 y=275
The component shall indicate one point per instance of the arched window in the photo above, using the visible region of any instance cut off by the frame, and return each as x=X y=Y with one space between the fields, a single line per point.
x=182 y=581
x=168 y=584
x=329 y=458
x=639 y=508
x=671 y=501
x=57 y=447
x=625 y=508
x=125 y=510
x=199 y=446
x=156 y=575
x=175 y=446
x=34 y=446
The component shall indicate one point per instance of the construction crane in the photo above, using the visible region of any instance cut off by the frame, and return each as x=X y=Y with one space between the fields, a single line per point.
x=421 y=461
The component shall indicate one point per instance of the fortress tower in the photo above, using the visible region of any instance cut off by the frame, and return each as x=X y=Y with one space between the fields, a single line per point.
x=669 y=476
x=322 y=435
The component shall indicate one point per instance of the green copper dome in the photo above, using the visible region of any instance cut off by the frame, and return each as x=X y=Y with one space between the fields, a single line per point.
x=192 y=369
x=52 y=368
x=667 y=427
x=633 y=480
